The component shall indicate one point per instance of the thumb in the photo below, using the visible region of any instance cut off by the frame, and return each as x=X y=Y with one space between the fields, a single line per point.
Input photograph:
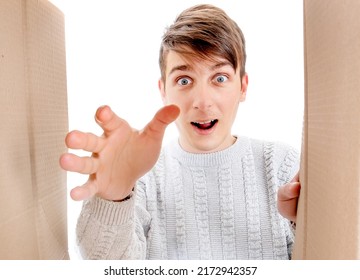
x=166 y=115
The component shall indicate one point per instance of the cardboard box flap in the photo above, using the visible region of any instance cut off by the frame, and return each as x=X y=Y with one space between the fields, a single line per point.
x=328 y=225
x=34 y=121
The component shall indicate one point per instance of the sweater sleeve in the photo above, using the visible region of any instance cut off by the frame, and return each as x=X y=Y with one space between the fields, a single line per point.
x=289 y=163
x=112 y=230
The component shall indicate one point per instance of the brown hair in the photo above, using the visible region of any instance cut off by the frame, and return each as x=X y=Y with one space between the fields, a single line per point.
x=204 y=31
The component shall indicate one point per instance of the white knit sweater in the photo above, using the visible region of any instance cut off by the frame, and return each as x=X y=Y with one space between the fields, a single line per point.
x=219 y=205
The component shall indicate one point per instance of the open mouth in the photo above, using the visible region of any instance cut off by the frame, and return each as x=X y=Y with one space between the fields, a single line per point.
x=205 y=125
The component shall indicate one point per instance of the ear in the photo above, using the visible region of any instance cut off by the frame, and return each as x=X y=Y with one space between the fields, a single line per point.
x=161 y=86
x=244 y=85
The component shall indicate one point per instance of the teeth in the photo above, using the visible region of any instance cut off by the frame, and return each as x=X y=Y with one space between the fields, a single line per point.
x=204 y=122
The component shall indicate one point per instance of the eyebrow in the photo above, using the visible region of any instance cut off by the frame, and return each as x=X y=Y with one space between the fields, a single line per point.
x=187 y=67
x=221 y=64
x=183 y=67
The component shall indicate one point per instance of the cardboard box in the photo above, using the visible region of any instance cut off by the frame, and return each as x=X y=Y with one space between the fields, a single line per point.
x=328 y=225
x=33 y=112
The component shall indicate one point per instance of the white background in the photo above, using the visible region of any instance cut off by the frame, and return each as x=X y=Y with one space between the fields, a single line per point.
x=112 y=58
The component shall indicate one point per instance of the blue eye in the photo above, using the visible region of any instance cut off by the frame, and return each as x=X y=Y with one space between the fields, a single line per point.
x=221 y=79
x=184 y=81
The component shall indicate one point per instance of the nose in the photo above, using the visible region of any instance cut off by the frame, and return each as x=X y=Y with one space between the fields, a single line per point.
x=203 y=99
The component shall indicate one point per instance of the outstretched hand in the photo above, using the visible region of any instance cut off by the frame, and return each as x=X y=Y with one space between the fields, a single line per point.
x=288 y=196
x=119 y=157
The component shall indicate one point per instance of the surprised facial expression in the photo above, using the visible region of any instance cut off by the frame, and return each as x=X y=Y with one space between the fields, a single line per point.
x=208 y=93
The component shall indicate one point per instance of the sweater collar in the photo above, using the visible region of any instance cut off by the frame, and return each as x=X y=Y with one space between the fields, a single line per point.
x=234 y=152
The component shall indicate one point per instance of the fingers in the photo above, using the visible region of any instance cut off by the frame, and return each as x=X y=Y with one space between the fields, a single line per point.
x=166 y=115
x=86 y=191
x=107 y=119
x=288 y=195
x=86 y=141
x=83 y=165
x=289 y=191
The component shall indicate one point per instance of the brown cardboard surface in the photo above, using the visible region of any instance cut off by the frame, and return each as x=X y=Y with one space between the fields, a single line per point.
x=33 y=112
x=328 y=225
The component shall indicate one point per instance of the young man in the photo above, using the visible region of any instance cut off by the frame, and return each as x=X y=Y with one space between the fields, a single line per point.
x=209 y=195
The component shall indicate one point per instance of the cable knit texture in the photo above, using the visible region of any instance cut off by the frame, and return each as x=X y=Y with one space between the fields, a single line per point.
x=219 y=205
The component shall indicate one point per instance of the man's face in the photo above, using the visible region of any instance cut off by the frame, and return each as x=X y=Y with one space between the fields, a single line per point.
x=208 y=94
